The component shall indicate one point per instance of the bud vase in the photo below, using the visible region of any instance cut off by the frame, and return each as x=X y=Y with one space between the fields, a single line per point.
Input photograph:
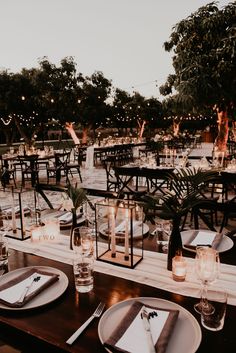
x=73 y=225
x=175 y=242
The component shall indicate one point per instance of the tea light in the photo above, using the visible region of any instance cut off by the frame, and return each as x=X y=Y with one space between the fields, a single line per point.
x=52 y=228
x=36 y=233
x=179 y=268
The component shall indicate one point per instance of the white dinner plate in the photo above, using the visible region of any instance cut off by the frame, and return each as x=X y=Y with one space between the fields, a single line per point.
x=137 y=232
x=57 y=214
x=185 y=338
x=47 y=296
x=225 y=244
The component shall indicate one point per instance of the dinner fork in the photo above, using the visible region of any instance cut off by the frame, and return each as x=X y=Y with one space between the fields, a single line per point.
x=97 y=313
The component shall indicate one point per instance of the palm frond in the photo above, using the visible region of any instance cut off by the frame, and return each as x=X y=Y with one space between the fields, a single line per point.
x=187 y=187
x=77 y=195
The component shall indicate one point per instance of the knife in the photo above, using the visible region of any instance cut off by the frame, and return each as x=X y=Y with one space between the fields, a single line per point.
x=146 y=325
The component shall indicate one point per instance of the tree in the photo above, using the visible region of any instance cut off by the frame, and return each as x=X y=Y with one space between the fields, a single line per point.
x=93 y=107
x=204 y=46
x=119 y=116
x=19 y=105
x=135 y=111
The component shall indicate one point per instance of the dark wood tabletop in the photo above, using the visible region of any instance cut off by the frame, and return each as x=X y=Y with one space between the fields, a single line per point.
x=46 y=329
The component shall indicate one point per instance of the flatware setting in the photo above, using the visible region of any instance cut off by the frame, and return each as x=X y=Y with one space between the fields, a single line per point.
x=97 y=313
x=146 y=324
x=34 y=278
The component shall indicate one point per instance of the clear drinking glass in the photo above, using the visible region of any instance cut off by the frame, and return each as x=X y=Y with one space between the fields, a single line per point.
x=83 y=262
x=163 y=231
x=3 y=254
x=207 y=266
x=83 y=272
x=83 y=241
x=214 y=321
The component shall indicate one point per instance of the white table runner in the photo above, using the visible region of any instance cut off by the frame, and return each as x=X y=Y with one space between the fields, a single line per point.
x=152 y=270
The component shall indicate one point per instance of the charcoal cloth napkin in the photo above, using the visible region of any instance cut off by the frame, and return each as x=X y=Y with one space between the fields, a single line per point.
x=11 y=291
x=130 y=336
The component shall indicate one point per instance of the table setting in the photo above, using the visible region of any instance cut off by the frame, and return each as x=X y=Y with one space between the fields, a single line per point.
x=153 y=266
x=81 y=280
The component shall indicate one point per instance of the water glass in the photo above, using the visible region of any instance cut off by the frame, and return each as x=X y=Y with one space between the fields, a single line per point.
x=3 y=253
x=163 y=231
x=214 y=321
x=83 y=272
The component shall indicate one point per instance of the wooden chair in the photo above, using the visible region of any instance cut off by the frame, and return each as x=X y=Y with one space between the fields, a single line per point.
x=59 y=168
x=29 y=169
x=73 y=167
x=111 y=179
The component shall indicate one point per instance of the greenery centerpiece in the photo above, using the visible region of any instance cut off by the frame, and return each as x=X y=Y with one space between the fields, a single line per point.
x=186 y=191
x=76 y=198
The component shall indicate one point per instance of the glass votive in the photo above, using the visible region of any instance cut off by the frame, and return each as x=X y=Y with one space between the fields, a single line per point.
x=51 y=228
x=36 y=233
x=179 y=268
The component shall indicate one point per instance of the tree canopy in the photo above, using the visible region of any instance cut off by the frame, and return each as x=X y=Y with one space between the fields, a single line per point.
x=204 y=60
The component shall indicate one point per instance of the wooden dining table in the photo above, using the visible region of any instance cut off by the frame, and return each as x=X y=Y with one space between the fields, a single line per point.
x=46 y=328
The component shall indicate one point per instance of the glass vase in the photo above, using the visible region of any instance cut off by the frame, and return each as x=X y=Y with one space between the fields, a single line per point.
x=175 y=242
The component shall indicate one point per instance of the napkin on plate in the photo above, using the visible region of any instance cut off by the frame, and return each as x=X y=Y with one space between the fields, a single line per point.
x=11 y=292
x=201 y=237
x=120 y=228
x=8 y=209
x=66 y=217
x=130 y=335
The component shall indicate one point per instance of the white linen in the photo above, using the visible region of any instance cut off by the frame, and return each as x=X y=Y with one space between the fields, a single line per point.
x=203 y=238
x=136 y=329
x=152 y=270
x=13 y=293
x=66 y=217
x=89 y=163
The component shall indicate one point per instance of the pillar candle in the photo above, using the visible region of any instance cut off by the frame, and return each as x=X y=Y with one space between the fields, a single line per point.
x=112 y=233
x=13 y=216
x=127 y=234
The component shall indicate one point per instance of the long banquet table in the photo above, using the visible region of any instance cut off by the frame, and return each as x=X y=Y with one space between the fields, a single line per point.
x=47 y=328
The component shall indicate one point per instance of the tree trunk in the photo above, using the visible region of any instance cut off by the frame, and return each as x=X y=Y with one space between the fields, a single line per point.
x=223 y=131
x=85 y=135
x=27 y=140
x=234 y=130
x=141 y=128
x=176 y=126
x=71 y=131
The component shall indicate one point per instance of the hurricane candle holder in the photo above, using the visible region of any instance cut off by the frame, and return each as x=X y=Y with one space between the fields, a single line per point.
x=119 y=232
x=17 y=213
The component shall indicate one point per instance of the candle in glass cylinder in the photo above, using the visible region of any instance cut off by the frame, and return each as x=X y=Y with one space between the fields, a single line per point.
x=36 y=233
x=179 y=268
x=52 y=229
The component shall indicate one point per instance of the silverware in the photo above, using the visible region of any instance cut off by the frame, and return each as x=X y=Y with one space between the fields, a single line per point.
x=146 y=325
x=97 y=313
x=34 y=278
